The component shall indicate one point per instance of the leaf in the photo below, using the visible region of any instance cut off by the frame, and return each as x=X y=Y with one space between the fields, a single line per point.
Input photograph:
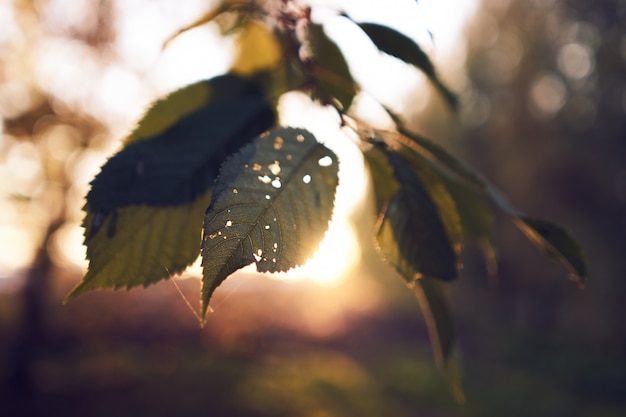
x=331 y=68
x=411 y=235
x=547 y=236
x=431 y=151
x=172 y=160
x=557 y=242
x=438 y=191
x=140 y=245
x=470 y=199
x=431 y=293
x=432 y=296
x=209 y=16
x=477 y=219
x=384 y=184
x=257 y=50
x=271 y=205
x=402 y=47
x=145 y=208
x=433 y=181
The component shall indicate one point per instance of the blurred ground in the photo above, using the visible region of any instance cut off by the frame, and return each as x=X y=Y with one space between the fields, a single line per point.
x=543 y=89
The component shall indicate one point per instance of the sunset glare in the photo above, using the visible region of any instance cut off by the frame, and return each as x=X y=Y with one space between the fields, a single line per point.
x=117 y=91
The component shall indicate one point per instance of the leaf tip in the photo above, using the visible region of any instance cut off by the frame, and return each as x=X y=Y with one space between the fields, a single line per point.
x=206 y=310
x=75 y=292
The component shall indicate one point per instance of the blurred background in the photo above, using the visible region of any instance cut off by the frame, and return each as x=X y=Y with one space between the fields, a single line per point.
x=542 y=85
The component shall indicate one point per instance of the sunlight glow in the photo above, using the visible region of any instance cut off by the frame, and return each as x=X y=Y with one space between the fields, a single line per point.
x=117 y=91
x=337 y=256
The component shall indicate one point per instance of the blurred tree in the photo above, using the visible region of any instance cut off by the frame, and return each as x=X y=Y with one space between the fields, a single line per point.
x=542 y=87
x=43 y=138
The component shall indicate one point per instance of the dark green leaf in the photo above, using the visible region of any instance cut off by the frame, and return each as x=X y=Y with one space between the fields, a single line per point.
x=431 y=151
x=400 y=46
x=145 y=208
x=438 y=191
x=411 y=234
x=330 y=68
x=176 y=163
x=432 y=295
x=271 y=205
x=557 y=242
x=432 y=179
x=470 y=193
x=477 y=219
x=384 y=183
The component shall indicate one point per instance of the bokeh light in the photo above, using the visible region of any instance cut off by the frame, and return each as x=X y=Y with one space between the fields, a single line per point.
x=543 y=100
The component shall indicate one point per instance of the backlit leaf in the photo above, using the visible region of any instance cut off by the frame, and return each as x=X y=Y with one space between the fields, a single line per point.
x=431 y=151
x=172 y=160
x=144 y=210
x=384 y=183
x=471 y=193
x=547 y=236
x=402 y=47
x=257 y=49
x=411 y=234
x=438 y=191
x=557 y=242
x=140 y=245
x=432 y=295
x=209 y=16
x=331 y=68
x=271 y=205
x=477 y=219
x=433 y=182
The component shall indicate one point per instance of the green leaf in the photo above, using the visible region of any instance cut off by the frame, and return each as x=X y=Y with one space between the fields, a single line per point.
x=258 y=49
x=384 y=183
x=145 y=208
x=203 y=19
x=432 y=295
x=411 y=235
x=172 y=160
x=547 y=236
x=140 y=245
x=431 y=151
x=432 y=179
x=330 y=68
x=211 y=15
x=438 y=191
x=271 y=205
x=558 y=243
x=402 y=47
x=477 y=219
x=470 y=193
